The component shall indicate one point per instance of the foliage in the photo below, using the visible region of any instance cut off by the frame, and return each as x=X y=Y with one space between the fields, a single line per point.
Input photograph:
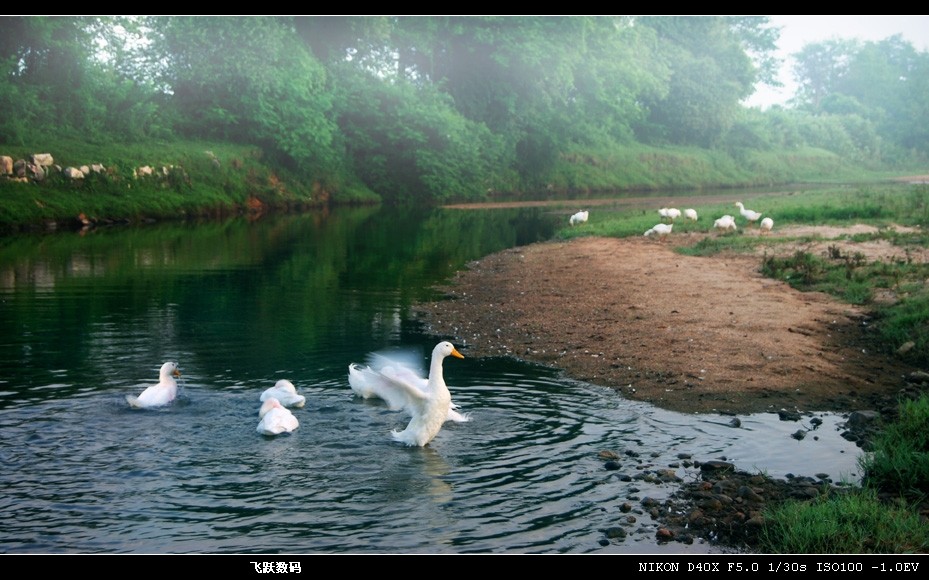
x=248 y=80
x=539 y=83
x=411 y=145
x=711 y=74
x=882 y=84
x=428 y=109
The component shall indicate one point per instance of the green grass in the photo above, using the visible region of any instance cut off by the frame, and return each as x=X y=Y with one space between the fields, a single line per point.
x=899 y=462
x=729 y=242
x=639 y=167
x=853 y=522
x=203 y=179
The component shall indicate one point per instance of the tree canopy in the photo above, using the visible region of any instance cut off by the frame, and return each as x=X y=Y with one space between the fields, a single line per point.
x=434 y=108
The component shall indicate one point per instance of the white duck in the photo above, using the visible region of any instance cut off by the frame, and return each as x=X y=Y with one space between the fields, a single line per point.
x=751 y=216
x=274 y=418
x=690 y=214
x=767 y=224
x=162 y=393
x=285 y=392
x=579 y=218
x=727 y=222
x=660 y=230
x=672 y=213
x=427 y=401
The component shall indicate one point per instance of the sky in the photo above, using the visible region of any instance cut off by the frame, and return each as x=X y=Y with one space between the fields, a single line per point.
x=797 y=31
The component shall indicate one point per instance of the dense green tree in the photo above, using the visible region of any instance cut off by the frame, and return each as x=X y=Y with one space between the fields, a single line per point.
x=914 y=110
x=247 y=79
x=55 y=80
x=44 y=63
x=880 y=84
x=403 y=136
x=712 y=72
x=539 y=83
x=818 y=68
x=410 y=145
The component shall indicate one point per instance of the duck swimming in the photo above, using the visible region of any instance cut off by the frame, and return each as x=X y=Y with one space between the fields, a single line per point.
x=285 y=392
x=426 y=400
x=274 y=418
x=162 y=393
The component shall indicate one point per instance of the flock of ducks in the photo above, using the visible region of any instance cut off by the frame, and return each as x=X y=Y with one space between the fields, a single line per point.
x=663 y=229
x=395 y=379
x=725 y=223
x=274 y=416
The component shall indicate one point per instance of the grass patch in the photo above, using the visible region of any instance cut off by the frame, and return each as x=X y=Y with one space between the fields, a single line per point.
x=899 y=462
x=190 y=178
x=856 y=522
x=730 y=242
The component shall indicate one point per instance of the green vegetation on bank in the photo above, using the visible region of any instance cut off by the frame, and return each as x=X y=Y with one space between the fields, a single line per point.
x=430 y=109
x=208 y=178
x=899 y=463
x=847 y=522
x=189 y=179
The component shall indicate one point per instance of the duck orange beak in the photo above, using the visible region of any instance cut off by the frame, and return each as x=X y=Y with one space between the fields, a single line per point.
x=176 y=373
x=455 y=353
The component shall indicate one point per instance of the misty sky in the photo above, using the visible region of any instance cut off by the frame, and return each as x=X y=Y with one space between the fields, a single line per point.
x=796 y=31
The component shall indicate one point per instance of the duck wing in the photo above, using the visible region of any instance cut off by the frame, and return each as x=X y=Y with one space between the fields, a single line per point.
x=396 y=376
x=402 y=388
x=396 y=386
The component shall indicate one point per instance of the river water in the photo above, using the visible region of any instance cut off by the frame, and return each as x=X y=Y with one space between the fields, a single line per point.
x=88 y=318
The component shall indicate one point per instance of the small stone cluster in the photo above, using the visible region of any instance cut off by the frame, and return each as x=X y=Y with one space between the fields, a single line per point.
x=726 y=507
x=40 y=166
